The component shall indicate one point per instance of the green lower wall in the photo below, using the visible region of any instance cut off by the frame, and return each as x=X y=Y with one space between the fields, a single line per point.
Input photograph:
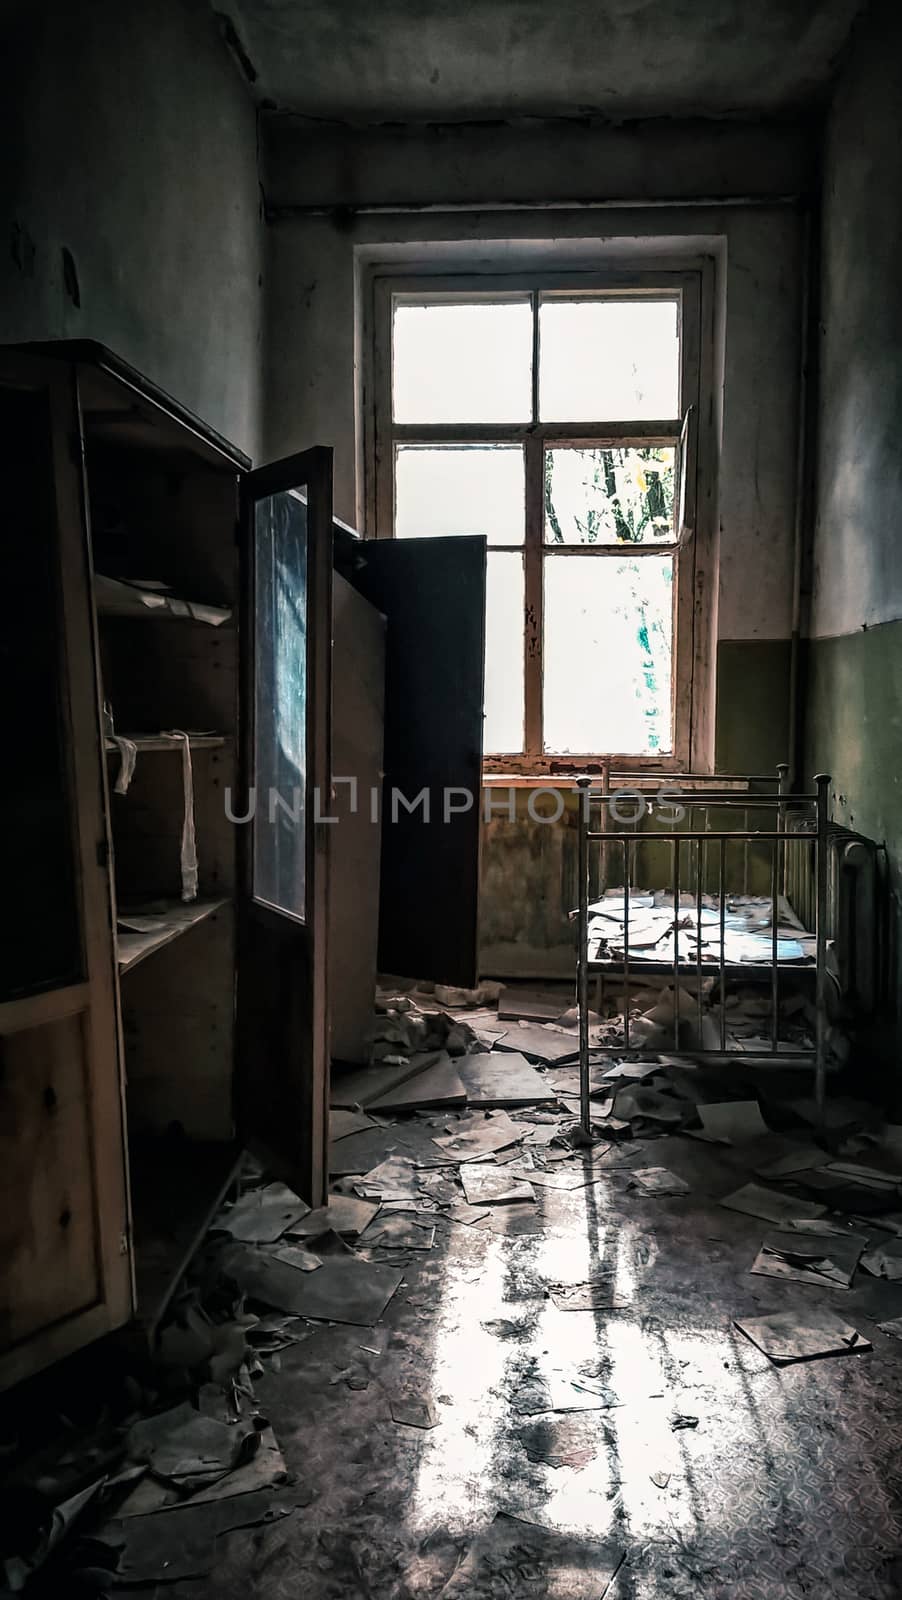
x=853 y=730
x=751 y=730
x=528 y=885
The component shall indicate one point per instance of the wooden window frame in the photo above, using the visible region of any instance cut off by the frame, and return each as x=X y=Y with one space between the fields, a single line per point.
x=694 y=534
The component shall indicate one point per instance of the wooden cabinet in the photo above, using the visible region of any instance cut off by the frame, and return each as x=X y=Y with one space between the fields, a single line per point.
x=166 y=630
x=167 y=667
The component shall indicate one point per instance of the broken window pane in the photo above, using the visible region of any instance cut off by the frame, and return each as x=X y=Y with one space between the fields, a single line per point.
x=605 y=360
x=610 y=495
x=462 y=363
x=608 y=647
x=460 y=489
x=504 y=683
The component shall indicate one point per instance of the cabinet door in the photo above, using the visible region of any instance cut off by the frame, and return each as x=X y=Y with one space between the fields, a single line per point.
x=66 y=1267
x=432 y=595
x=286 y=630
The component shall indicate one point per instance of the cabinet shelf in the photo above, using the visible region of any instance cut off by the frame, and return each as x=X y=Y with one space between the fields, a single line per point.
x=178 y=1185
x=133 y=946
x=115 y=598
x=165 y=741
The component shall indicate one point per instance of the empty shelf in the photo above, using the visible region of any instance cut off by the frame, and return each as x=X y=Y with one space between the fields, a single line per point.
x=132 y=945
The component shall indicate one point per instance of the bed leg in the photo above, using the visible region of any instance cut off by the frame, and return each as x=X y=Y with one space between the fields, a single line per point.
x=823 y=796
x=582 y=968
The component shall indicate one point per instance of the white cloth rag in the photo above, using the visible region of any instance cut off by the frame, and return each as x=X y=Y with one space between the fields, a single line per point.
x=128 y=755
x=189 y=838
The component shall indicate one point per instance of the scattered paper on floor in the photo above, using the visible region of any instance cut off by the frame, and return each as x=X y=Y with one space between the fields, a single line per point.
x=756 y=1201
x=801 y=1335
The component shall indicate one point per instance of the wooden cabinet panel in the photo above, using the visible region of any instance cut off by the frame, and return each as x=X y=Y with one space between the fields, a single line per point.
x=49 y=1261
x=358 y=707
x=64 y=1226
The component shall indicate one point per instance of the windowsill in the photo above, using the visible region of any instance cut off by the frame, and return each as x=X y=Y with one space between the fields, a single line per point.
x=557 y=774
x=634 y=775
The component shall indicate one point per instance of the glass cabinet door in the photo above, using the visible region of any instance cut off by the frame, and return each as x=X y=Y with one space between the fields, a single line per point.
x=286 y=631
x=280 y=702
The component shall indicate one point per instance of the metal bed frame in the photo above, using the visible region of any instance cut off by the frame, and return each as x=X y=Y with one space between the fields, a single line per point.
x=765 y=794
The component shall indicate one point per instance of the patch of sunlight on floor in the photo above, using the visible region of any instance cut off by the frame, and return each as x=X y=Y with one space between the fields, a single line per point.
x=461 y=1473
x=497 y=1327
x=455 y=1473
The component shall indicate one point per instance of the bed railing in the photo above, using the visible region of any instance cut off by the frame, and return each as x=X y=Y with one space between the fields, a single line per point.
x=726 y=835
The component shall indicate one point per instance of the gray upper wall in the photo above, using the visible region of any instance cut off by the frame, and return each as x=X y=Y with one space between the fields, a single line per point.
x=858 y=541
x=474 y=191
x=560 y=163
x=130 y=141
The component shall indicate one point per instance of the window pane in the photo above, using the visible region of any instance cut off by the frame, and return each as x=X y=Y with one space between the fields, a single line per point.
x=608 y=654
x=462 y=363
x=608 y=360
x=280 y=701
x=504 y=684
x=460 y=489
x=609 y=496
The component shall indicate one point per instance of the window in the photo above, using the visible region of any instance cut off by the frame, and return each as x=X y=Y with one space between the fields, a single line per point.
x=549 y=416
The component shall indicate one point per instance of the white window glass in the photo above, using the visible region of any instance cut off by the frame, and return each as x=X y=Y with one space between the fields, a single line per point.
x=462 y=363
x=451 y=489
x=608 y=652
x=504 y=684
x=604 y=360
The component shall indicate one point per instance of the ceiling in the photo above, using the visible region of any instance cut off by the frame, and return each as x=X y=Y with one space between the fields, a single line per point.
x=364 y=61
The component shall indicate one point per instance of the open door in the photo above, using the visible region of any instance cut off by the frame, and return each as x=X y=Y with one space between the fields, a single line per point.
x=432 y=595
x=283 y=1029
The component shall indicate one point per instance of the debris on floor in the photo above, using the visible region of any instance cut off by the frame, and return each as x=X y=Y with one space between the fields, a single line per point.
x=736 y=1121
x=503 y=1080
x=413 y=1411
x=562 y=1391
x=262 y=1215
x=820 y=1260
x=756 y=1201
x=567 y=1441
x=524 y=1320
x=438 y=1084
x=788 y=1336
x=189 y=1451
x=657 y=1180
x=600 y=1294
x=491 y=1185
x=522 y=1004
x=510 y=1554
x=344 y=1215
x=400 y=1233
x=884 y=1260
x=344 y=1289
x=181 y=1543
